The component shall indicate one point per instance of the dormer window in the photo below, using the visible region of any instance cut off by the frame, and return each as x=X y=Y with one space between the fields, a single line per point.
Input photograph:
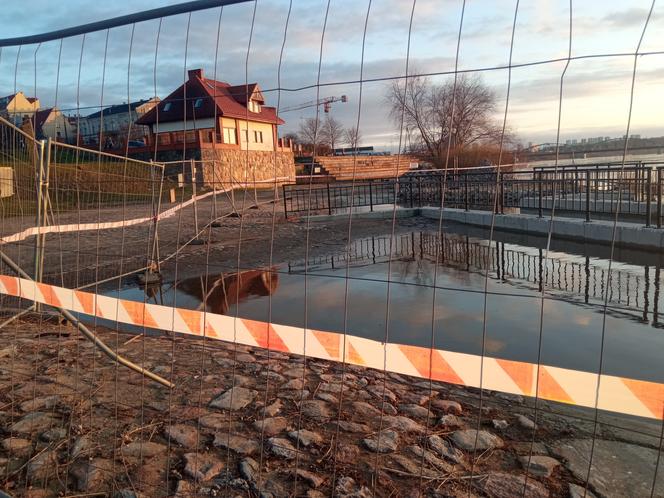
x=167 y=106
x=198 y=103
x=254 y=106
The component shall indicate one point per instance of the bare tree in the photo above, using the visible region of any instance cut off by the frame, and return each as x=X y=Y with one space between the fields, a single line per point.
x=332 y=132
x=309 y=132
x=352 y=137
x=460 y=115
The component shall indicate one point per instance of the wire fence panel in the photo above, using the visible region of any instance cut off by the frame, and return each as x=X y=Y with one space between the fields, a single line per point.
x=275 y=249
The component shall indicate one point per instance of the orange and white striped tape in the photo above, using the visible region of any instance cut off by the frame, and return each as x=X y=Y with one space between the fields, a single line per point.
x=617 y=394
x=105 y=225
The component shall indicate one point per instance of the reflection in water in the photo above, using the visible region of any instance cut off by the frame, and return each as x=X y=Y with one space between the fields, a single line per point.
x=575 y=285
x=218 y=294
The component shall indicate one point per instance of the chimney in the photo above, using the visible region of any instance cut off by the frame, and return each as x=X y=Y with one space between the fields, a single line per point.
x=198 y=73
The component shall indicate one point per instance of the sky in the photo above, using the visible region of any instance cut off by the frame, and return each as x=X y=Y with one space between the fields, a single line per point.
x=133 y=62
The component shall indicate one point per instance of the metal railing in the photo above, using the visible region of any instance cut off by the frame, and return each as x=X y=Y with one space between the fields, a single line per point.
x=592 y=192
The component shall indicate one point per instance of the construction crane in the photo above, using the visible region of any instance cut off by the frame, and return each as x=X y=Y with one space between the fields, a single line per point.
x=325 y=102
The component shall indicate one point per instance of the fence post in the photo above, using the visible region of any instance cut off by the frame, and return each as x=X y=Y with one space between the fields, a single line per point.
x=587 y=195
x=648 y=196
x=659 y=197
x=465 y=191
x=283 y=191
x=539 y=195
x=192 y=165
x=419 y=191
x=39 y=175
x=501 y=179
x=45 y=200
x=329 y=203
x=371 y=195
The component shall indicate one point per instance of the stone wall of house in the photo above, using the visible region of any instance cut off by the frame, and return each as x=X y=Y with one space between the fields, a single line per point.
x=226 y=166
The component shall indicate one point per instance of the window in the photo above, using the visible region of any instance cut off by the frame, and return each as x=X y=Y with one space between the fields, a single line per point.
x=258 y=137
x=229 y=136
x=245 y=134
x=198 y=103
x=254 y=106
x=167 y=106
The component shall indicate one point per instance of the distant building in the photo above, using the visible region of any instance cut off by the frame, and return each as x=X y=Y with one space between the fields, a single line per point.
x=115 y=124
x=51 y=123
x=17 y=106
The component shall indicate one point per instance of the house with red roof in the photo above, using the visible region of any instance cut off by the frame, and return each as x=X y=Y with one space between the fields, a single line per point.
x=229 y=128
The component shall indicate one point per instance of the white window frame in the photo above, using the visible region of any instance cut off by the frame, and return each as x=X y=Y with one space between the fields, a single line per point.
x=167 y=107
x=198 y=103
x=230 y=136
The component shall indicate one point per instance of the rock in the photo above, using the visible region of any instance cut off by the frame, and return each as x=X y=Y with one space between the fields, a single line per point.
x=540 y=466
x=294 y=384
x=364 y=410
x=34 y=422
x=527 y=447
x=125 y=493
x=282 y=448
x=380 y=393
x=306 y=437
x=576 y=491
x=295 y=395
x=41 y=403
x=202 y=466
x=91 y=474
x=81 y=446
x=16 y=445
x=525 y=422
x=450 y=420
x=332 y=387
x=145 y=449
x=216 y=421
x=499 y=425
x=618 y=469
x=414 y=467
x=273 y=409
x=402 y=424
x=512 y=398
x=346 y=487
x=414 y=410
x=330 y=398
x=445 y=449
x=388 y=409
x=248 y=468
x=312 y=479
x=316 y=410
x=235 y=398
x=504 y=485
x=447 y=406
x=430 y=458
x=53 y=434
x=273 y=376
x=185 y=489
x=239 y=444
x=384 y=442
x=352 y=426
x=347 y=453
x=42 y=466
x=185 y=435
x=271 y=426
x=471 y=439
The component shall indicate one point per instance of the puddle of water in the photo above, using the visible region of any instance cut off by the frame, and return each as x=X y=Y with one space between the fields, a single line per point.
x=452 y=319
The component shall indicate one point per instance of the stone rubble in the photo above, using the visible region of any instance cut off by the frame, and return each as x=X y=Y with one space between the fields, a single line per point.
x=217 y=434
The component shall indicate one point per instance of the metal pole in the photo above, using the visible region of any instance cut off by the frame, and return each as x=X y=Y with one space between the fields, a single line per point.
x=371 y=196
x=283 y=189
x=192 y=165
x=648 y=196
x=88 y=334
x=587 y=195
x=45 y=201
x=329 y=203
x=465 y=189
x=659 y=197
x=539 y=188
x=39 y=173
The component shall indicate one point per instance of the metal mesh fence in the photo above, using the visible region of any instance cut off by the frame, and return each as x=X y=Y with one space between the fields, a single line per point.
x=194 y=304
